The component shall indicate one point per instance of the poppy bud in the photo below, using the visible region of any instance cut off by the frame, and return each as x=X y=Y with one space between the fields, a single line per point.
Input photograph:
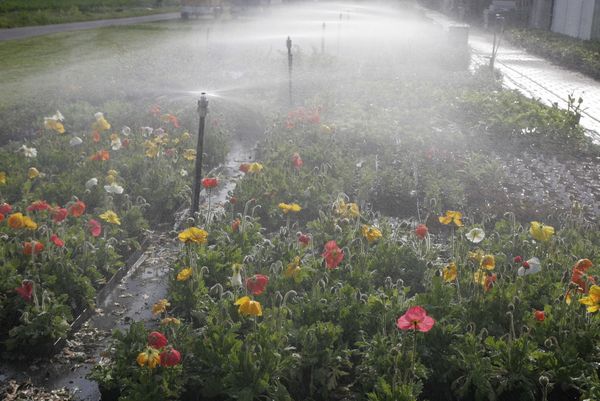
x=544 y=381
x=539 y=315
x=525 y=265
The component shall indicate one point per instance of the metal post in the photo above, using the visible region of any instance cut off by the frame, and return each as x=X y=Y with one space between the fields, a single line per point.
x=323 y=40
x=289 y=49
x=202 y=111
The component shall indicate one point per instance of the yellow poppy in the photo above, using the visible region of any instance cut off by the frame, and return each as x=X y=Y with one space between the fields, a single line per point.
x=29 y=223
x=488 y=262
x=293 y=268
x=150 y=358
x=344 y=209
x=451 y=216
x=540 y=231
x=110 y=217
x=189 y=154
x=2 y=178
x=592 y=301
x=255 y=167
x=33 y=173
x=101 y=124
x=151 y=150
x=160 y=306
x=54 y=124
x=184 y=274
x=450 y=272
x=370 y=233
x=476 y=256
x=193 y=234
x=170 y=320
x=185 y=136
x=15 y=221
x=293 y=207
x=249 y=307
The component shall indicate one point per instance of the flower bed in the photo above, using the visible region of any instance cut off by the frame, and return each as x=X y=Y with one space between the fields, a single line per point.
x=72 y=208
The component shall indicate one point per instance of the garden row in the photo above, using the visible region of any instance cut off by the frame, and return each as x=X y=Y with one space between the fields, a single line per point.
x=73 y=208
x=375 y=252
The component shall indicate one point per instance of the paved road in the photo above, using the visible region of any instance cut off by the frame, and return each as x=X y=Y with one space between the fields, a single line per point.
x=29 y=31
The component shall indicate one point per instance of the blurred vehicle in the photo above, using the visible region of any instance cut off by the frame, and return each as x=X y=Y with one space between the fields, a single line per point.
x=200 y=8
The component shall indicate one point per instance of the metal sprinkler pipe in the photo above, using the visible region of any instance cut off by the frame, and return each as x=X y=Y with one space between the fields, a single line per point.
x=288 y=43
x=202 y=112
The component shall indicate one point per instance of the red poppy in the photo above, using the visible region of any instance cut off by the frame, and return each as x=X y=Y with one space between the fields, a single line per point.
x=33 y=247
x=332 y=254
x=1 y=217
x=57 y=241
x=5 y=208
x=579 y=275
x=59 y=214
x=125 y=142
x=244 y=167
x=257 y=284
x=38 y=206
x=170 y=357
x=95 y=227
x=235 y=226
x=489 y=282
x=155 y=110
x=415 y=318
x=297 y=161
x=96 y=136
x=101 y=155
x=525 y=265
x=157 y=340
x=421 y=231
x=233 y=200
x=77 y=208
x=25 y=291
x=517 y=259
x=209 y=183
x=304 y=239
x=173 y=120
x=539 y=315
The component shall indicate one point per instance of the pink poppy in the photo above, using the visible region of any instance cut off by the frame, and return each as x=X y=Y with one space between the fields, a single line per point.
x=332 y=254
x=95 y=227
x=415 y=318
x=38 y=206
x=59 y=214
x=57 y=241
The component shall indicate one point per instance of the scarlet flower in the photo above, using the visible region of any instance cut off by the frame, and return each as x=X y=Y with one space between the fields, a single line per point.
x=32 y=248
x=235 y=226
x=101 y=155
x=25 y=291
x=157 y=340
x=57 y=241
x=5 y=208
x=539 y=315
x=332 y=254
x=297 y=161
x=172 y=119
x=415 y=318
x=59 y=214
x=304 y=239
x=257 y=284
x=525 y=264
x=38 y=206
x=209 y=183
x=95 y=228
x=170 y=357
x=421 y=231
x=77 y=208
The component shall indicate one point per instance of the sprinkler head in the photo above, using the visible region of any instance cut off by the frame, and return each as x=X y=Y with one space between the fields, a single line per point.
x=203 y=105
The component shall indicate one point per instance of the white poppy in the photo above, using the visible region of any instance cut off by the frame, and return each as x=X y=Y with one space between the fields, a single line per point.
x=183 y=172
x=91 y=183
x=147 y=131
x=58 y=116
x=534 y=267
x=236 y=278
x=476 y=235
x=28 y=152
x=116 y=144
x=99 y=116
x=75 y=141
x=126 y=130
x=113 y=188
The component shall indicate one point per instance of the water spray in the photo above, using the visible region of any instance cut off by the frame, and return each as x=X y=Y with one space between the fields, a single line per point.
x=289 y=49
x=323 y=39
x=202 y=112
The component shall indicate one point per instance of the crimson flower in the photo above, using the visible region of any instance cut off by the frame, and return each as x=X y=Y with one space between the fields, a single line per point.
x=5 y=208
x=25 y=291
x=209 y=183
x=59 y=214
x=421 y=231
x=332 y=254
x=415 y=318
x=170 y=357
x=517 y=259
x=57 y=241
x=38 y=206
x=297 y=161
x=95 y=227
x=257 y=284
x=539 y=315
x=157 y=340
x=304 y=239
x=32 y=248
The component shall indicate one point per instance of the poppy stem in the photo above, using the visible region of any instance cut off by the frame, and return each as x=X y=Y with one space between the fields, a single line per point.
x=414 y=352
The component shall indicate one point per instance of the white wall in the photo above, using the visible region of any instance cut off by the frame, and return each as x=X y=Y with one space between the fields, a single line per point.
x=573 y=17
